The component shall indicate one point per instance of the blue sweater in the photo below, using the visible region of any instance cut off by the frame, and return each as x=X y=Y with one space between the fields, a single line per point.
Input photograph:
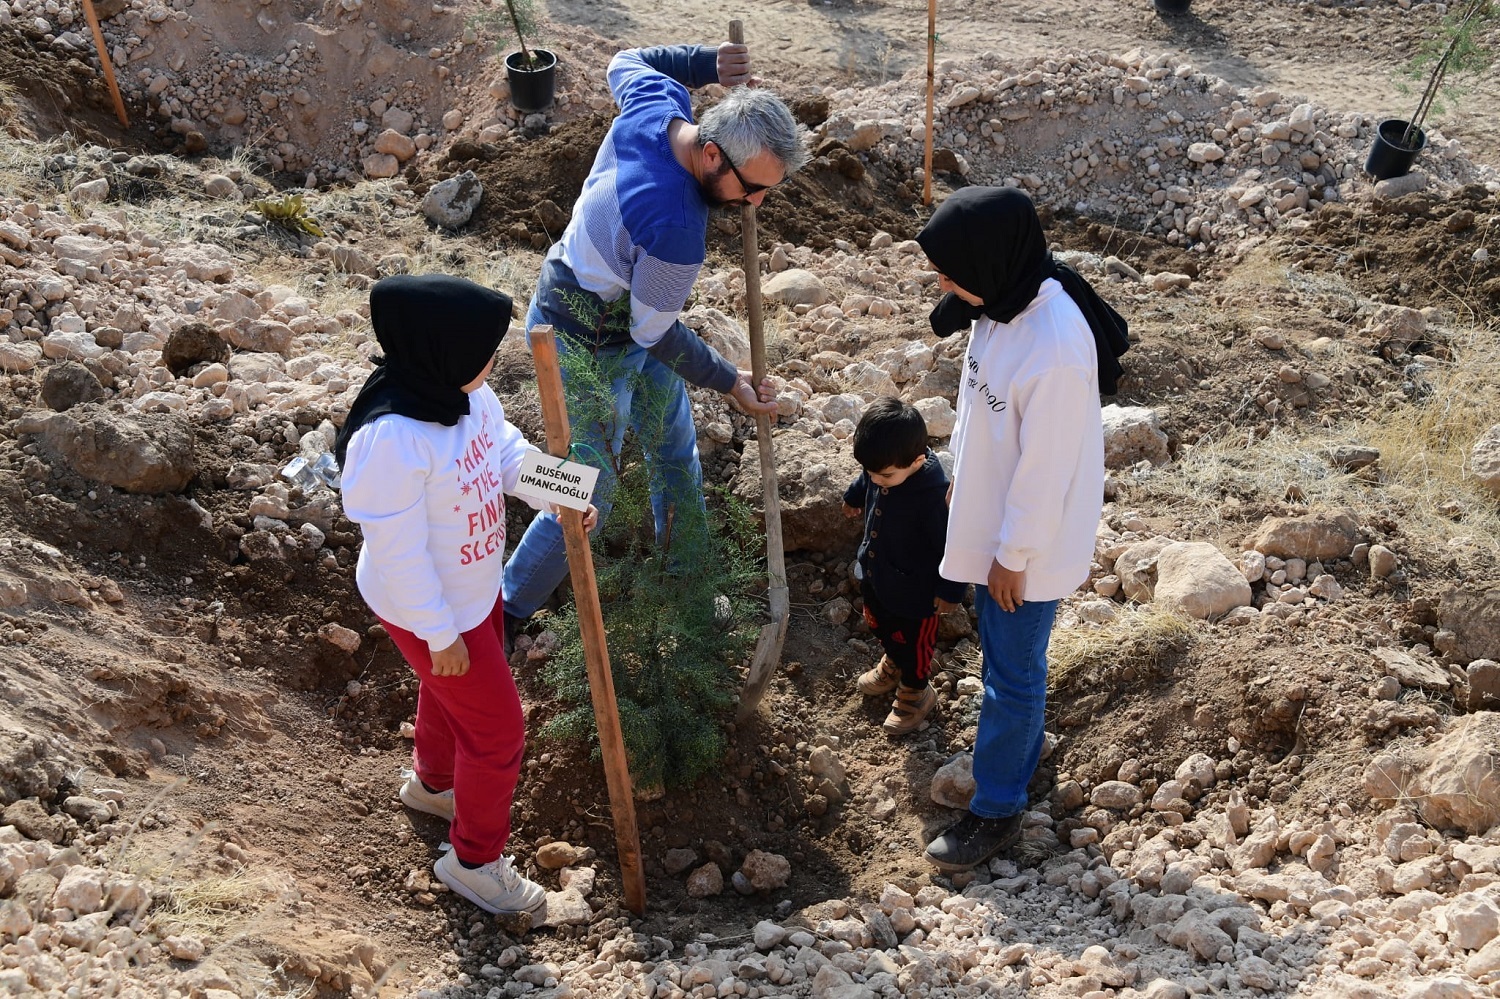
x=626 y=263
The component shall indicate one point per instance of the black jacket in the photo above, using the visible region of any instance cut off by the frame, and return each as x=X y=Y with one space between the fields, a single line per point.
x=905 y=531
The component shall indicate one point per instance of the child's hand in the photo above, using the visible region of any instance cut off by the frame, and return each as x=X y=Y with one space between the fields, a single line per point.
x=591 y=518
x=850 y=511
x=452 y=661
x=948 y=496
x=943 y=606
x=1006 y=585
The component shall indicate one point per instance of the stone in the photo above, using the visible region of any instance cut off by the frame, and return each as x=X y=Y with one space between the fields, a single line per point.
x=722 y=333
x=564 y=908
x=81 y=891
x=1197 y=579
x=705 y=882
x=1420 y=673
x=679 y=860
x=1117 y=795
x=813 y=476
x=1484 y=460
x=1469 y=921
x=1473 y=617
x=556 y=855
x=1136 y=568
x=768 y=935
x=261 y=335
x=1452 y=781
x=381 y=166
x=795 y=287
x=67 y=384
x=766 y=871
x=939 y=415
x=145 y=453
x=449 y=204
x=1382 y=561
x=1325 y=535
x=953 y=783
x=1484 y=684
x=184 y=948
x=86 y=809
x=1132 y=434
x=192 y=344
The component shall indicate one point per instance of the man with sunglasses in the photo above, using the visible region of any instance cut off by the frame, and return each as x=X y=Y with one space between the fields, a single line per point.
x=616 y=282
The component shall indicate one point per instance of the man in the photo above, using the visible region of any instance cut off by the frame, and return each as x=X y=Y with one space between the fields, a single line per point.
x=616 y=282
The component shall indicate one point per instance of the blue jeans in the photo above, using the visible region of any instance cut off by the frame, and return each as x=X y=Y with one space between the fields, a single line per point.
x=540 y=561
x=1009 y=743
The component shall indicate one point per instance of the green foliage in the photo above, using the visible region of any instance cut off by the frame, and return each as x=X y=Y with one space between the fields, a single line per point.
x=290 y=212
x=1452 y=59
x=514 y=19
x=673 y=652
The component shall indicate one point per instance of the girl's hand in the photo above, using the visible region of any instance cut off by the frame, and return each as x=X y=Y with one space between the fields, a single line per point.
x=590 y=518
x=452 y=661
x=1006 y=585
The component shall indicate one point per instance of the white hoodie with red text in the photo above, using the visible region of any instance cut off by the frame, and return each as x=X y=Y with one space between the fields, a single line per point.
x=430 y=502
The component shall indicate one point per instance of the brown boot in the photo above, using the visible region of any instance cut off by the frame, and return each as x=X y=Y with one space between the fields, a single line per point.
x=882 y=679
x=909 y=710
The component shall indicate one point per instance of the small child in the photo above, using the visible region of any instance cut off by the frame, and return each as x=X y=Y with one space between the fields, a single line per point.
x=903 y=495
x=427 y=456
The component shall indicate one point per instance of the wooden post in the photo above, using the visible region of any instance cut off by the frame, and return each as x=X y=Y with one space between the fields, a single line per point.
x=768 y=646
x=109 y=68
x=591 y=625
x=931 y=83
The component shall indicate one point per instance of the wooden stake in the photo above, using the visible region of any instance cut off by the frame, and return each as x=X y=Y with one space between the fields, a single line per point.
x=109 y=68
x=768 y=646
x=591 y=625
x=931 y=82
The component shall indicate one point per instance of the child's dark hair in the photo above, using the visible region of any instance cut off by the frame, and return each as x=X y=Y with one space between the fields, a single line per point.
x=890 y=434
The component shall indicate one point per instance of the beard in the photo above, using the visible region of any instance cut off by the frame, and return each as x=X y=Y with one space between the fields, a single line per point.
x=713 y=191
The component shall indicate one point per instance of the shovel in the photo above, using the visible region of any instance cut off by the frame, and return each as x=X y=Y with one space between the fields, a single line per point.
x=768 y=645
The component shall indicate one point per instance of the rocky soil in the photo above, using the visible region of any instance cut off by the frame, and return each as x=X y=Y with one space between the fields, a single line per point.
x=1270 y=764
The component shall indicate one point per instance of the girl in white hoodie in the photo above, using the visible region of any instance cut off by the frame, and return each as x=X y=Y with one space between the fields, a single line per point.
x=1028 y=477
x=427 y=457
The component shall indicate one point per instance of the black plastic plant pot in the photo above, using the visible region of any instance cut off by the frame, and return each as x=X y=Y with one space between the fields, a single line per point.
x=1173 y=6
x=1388 y=157
x=532 y=89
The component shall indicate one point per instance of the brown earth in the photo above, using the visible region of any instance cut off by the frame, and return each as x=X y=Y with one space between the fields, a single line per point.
x=209 y=695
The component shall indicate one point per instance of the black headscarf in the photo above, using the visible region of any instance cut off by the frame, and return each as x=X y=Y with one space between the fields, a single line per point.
x=437 y=333
x=989 y=242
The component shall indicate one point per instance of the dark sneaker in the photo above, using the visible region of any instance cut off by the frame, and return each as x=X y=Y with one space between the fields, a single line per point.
x=973 y=840
x=512 y=626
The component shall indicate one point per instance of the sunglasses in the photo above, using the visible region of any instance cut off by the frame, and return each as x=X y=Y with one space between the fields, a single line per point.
x=749 y=188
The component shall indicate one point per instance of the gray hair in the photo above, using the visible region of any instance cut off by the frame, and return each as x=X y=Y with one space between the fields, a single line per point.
x=750 y=120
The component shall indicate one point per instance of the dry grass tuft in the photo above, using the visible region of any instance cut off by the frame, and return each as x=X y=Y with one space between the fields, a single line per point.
x=13 y=121
x=213 y=904
x=1139 y=636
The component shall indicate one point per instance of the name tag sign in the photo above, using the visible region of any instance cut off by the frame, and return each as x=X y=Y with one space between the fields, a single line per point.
x=556 y=480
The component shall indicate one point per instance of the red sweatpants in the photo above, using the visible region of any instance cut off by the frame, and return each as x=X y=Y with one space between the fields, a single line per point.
x=470 y=736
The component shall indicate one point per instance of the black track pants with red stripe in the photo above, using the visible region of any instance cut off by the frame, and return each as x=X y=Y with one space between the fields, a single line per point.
x=908 y=641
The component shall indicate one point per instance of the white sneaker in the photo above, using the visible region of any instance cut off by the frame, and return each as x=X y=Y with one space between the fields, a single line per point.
x=495 y=887
x=414 y=795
